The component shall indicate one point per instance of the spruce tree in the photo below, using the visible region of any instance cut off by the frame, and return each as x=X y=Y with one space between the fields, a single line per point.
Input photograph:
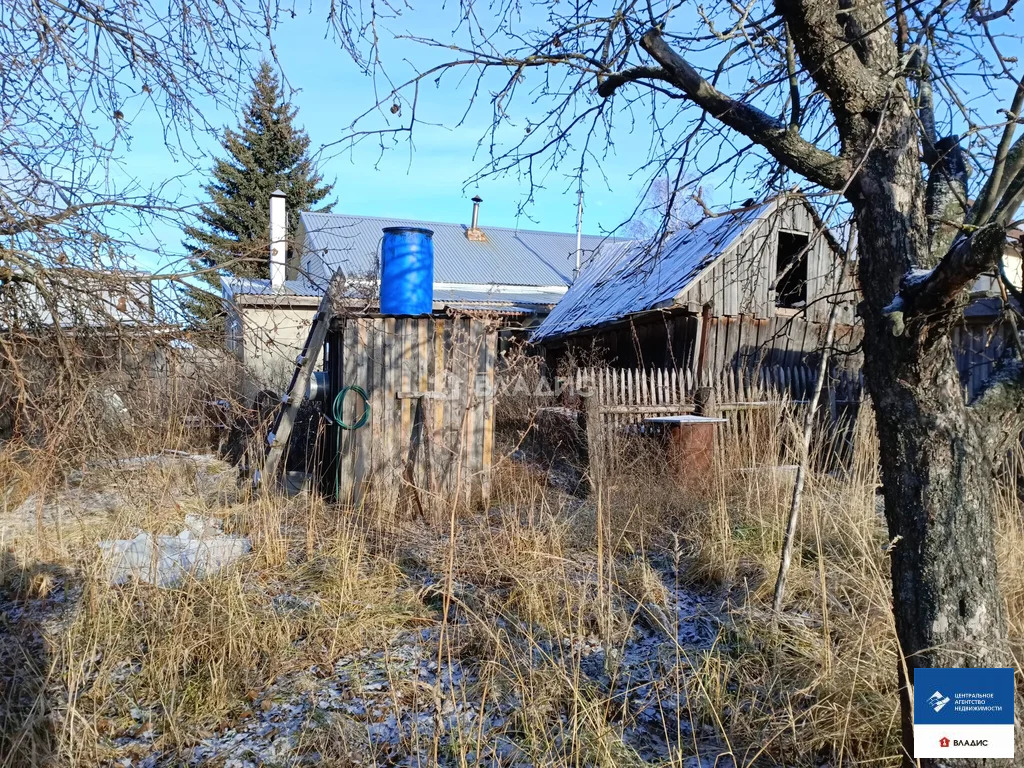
x=265 y=153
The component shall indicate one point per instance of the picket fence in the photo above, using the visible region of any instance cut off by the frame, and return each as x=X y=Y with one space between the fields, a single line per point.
x=621 y=399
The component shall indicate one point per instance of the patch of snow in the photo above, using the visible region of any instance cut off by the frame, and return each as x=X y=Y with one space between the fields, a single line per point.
x=916 y=276
x=200 y=549
x=896 y=305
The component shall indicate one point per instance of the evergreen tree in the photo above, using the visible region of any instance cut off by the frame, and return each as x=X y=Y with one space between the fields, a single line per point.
x=265 y=153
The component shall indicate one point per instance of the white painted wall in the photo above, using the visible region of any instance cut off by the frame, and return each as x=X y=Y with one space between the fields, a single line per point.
x=273 y=338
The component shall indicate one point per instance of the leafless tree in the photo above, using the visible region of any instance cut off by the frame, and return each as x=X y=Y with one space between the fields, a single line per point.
x=667 y=207
x=77 y=78
x=904 y=115
x=77 y=82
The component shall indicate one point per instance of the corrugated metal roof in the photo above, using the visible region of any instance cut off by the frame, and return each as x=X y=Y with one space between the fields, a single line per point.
x=635 y=277
x=494 y=309
x=254 y=286
x=535 y=298
x=489 y=295
x=509 y=256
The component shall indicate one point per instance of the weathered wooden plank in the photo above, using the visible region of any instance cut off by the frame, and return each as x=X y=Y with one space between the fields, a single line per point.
x=452 y=410
x=474 y=416
x=471 y=420
x=377 y=405
x=347 y=489
x=390 y=482
x=439 y=384
x=361 y=438
x=405 y=329
x=490 y=365
x=419 y=450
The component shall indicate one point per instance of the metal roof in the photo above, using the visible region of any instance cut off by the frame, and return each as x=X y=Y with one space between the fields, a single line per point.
x=493 y=309
x=506 y=257
x=463 y=296
x=633 y=277
x=494 y=296
x=232 y=286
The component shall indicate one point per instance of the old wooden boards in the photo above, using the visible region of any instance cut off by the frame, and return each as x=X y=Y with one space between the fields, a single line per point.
x=429 y=439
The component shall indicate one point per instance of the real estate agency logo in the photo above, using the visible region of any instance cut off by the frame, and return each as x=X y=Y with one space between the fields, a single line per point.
x=964 y=712
x=946 y=742
x=938 y=701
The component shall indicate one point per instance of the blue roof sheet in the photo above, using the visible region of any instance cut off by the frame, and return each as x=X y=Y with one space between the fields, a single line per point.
x=633 y=277
x=507 y=257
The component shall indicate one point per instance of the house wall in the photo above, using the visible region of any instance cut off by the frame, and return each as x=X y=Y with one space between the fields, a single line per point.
x=273 y=336
x=740 y=282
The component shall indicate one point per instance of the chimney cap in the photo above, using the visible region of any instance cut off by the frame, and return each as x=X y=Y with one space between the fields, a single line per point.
x=477 y=199
x=278 y=193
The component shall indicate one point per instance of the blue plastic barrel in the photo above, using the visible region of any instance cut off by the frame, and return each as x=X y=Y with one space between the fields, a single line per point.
x=407 y=271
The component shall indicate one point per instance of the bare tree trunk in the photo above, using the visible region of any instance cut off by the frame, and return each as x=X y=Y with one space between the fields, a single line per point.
x=939 y=508
x=935 y=462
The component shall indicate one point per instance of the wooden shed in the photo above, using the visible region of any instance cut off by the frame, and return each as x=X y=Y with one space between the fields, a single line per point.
x=752 y=287
x=747 y=290
x=428 y=438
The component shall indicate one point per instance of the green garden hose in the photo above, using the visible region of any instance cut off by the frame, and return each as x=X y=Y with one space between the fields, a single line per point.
x=337 y=409
x=339 y=405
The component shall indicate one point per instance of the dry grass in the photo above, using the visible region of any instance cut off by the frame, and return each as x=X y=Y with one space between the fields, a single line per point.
x=630 y=628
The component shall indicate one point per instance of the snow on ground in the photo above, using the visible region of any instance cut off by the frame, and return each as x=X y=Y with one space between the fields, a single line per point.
x=402 y=703
x=389 y=702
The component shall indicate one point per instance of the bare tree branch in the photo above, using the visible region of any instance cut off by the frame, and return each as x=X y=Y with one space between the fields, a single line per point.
x=926 y=293
x=985 y=18
x=782 y=141
x=832 y=62
x=1008 y=161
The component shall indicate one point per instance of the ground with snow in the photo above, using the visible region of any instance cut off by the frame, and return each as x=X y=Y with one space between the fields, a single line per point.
x=463 y=679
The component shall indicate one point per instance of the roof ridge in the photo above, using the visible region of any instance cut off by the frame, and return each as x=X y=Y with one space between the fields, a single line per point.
x=464 y=226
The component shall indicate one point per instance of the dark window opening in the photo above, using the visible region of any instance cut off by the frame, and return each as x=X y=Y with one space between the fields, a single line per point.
x=791 y=271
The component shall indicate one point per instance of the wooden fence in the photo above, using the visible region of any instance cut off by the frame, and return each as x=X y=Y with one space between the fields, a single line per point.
x=636 y=393
x=429 y=437
x=622 y=399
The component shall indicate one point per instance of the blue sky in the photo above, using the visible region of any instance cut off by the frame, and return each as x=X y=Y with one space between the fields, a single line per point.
x=423 y=179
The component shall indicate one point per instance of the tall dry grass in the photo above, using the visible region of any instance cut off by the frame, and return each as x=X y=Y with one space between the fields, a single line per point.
x=631 y=627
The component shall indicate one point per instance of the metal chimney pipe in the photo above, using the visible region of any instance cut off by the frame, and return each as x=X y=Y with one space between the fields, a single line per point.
x=278 y=238
x=476 y=211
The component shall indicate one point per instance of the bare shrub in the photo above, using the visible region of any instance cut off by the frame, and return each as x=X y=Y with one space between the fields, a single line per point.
x=521 y=387
x=68 y=398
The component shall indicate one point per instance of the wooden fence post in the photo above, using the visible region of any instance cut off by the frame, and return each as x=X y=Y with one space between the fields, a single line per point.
x=704 y=401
